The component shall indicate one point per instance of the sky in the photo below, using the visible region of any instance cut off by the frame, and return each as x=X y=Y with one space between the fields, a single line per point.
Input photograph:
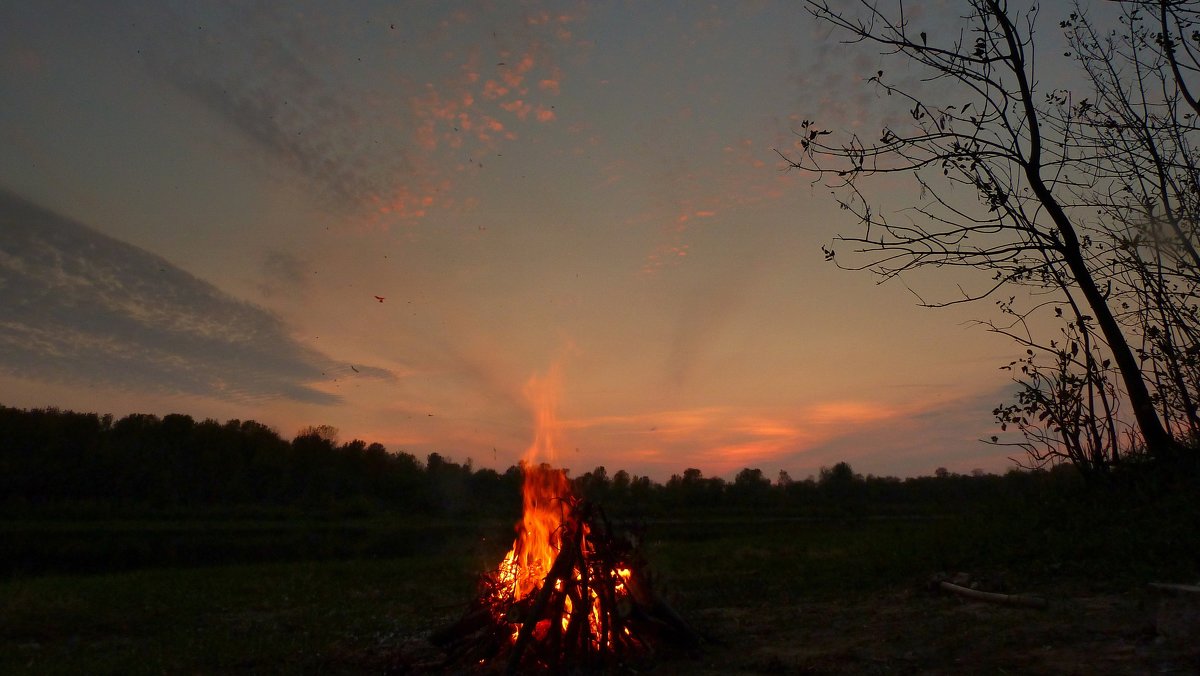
x=390 y=217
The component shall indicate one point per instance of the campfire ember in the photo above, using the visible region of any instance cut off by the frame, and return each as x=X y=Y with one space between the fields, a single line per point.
x=571 y=593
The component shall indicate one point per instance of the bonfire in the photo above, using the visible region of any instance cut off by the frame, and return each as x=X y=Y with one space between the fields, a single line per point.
x=572 y=592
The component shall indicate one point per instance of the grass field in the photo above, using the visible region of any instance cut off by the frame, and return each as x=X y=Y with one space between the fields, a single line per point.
x=359 y=597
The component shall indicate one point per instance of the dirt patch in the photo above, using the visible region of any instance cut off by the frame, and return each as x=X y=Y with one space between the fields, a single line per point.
x=917 y=632
x=926 y=633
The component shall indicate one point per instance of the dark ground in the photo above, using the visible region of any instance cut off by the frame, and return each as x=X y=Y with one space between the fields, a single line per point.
x=790 y=596
x=903 y=631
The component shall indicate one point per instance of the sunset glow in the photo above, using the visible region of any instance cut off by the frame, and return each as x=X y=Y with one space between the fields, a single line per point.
x=385 y=218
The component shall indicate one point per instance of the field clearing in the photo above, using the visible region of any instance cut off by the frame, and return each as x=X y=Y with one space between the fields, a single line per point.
x=775 y=596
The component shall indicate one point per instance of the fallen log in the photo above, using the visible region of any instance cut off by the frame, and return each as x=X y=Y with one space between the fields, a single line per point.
x=1023 y=600
x=1175 y=588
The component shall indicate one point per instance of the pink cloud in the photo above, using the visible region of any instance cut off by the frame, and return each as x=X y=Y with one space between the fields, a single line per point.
x=518 y=108
x=514 y=73
x=493 y=90
x=460 y=114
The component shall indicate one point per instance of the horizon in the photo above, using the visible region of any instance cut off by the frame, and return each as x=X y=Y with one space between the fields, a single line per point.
x=338 y=440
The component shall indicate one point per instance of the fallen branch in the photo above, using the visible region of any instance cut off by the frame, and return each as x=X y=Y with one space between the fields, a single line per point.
x=1023 y=600
x=1174 y=588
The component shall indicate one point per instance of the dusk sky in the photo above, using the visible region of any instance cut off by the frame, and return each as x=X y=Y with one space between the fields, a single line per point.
x=202 y=203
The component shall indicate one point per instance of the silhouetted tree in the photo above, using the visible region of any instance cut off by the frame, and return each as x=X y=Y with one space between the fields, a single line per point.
x=448 y=484
x=620 y=489
x=53 y=459
x=839 y=483
x=750 y=488
x=1086 y=204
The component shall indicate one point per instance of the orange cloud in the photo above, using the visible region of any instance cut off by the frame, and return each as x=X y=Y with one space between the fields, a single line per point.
x=493 y=90
x=850 y=413
x=672 y=246
x=459 y=115
x=403 y=203
x=514 y=75
x=723 y=439
x=518 y=108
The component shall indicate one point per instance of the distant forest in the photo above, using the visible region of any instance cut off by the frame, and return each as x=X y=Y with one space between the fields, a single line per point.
x=55 y=461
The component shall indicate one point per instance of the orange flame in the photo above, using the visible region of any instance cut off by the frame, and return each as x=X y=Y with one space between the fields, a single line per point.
x=551 y=516
x=539 y=533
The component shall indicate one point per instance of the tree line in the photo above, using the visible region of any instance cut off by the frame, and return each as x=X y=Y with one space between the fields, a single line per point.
x=55 y=460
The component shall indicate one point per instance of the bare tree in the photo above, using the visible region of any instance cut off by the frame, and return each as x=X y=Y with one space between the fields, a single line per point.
x=1079 y=209
x=1137 y=135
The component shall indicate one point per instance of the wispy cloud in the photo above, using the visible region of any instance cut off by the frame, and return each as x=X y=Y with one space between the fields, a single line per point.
x=79 y=306
x=745 y=174
x=285 y=274
x=916 y=438
x=244 y=70
x=710 y=307
x=384 y=148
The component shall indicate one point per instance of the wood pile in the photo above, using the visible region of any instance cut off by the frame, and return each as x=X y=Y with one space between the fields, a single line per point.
x=595 y=609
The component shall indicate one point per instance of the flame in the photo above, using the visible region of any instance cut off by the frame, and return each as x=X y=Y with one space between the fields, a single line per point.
x=551 y=516
x=545 y=489
x=539 y=534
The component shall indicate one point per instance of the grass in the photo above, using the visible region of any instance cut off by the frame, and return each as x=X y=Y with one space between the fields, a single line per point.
x=327 y=616
x=769 y=587
x=764 y=561
x=40 y=546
